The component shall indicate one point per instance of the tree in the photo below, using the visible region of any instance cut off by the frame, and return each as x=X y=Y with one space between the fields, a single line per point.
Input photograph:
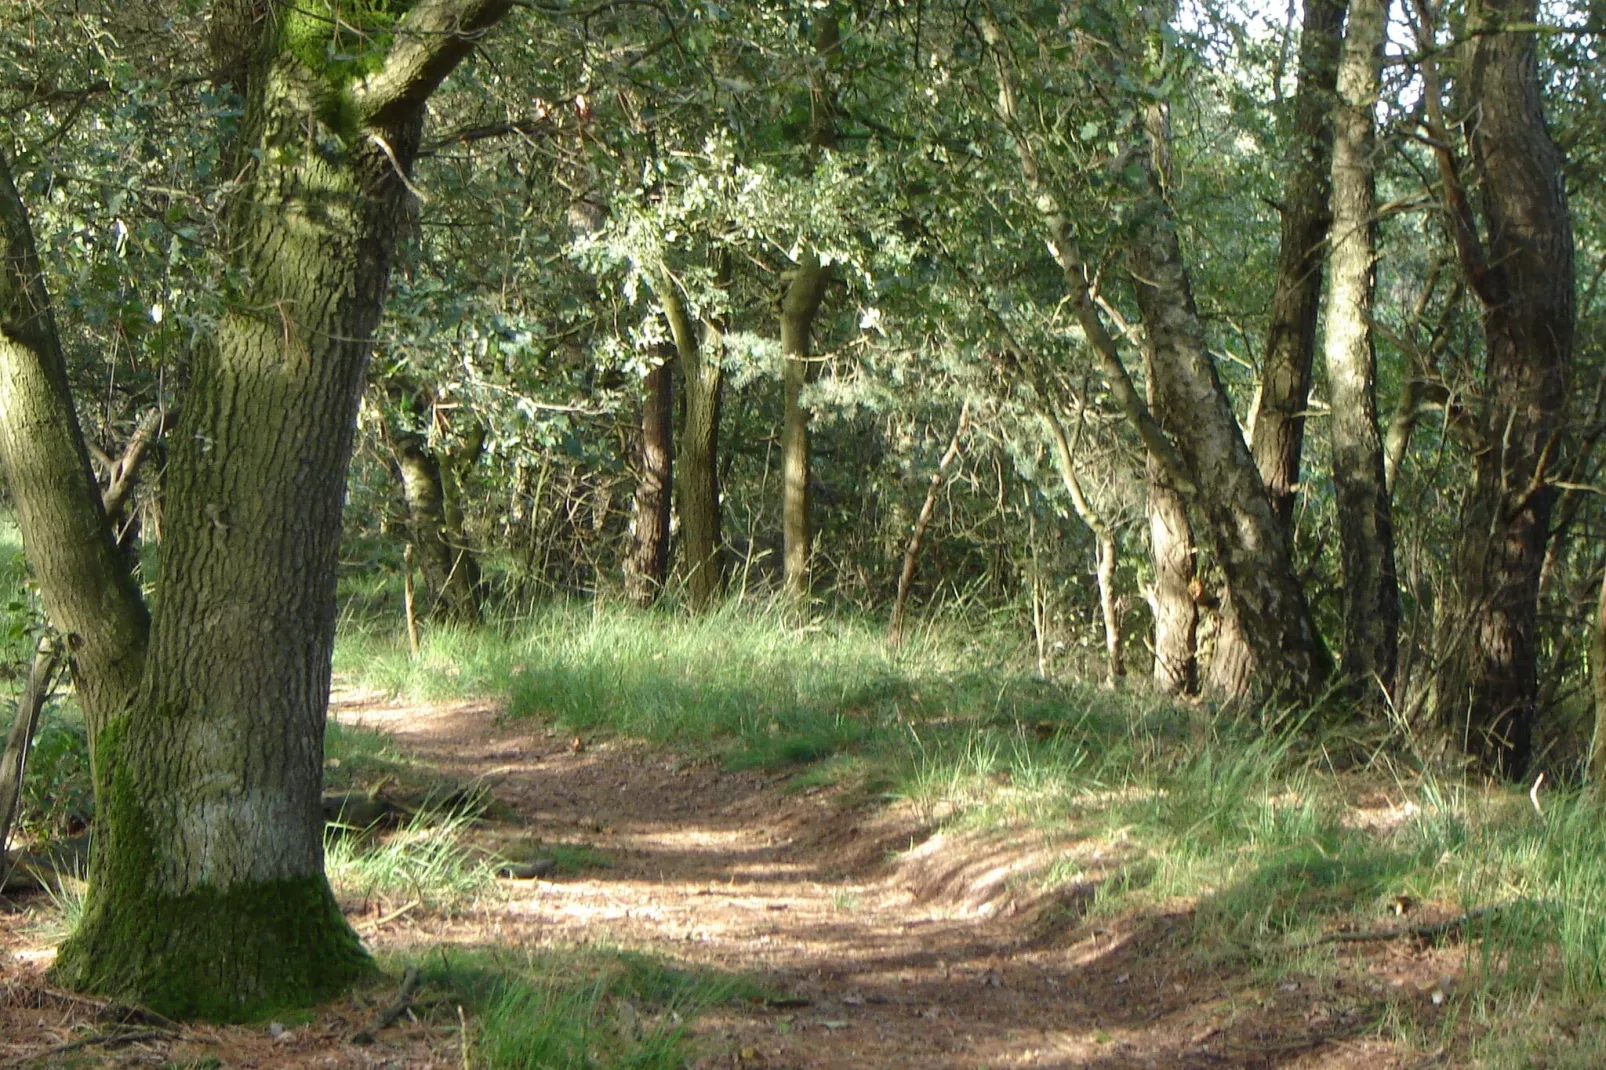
x=207 y=893
x=1365 y=523
x=1521 y=271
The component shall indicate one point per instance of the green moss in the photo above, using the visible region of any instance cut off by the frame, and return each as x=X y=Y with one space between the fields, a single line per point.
x=223 y=954
x=341 y=39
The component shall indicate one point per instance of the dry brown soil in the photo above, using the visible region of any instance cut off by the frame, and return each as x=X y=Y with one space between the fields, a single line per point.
x=887 y=946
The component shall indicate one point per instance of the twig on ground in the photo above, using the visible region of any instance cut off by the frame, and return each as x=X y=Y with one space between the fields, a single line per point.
x=99 y=1040
x=388 y=1016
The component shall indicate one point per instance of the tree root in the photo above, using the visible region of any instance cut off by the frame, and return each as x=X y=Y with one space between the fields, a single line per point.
x=404 y=999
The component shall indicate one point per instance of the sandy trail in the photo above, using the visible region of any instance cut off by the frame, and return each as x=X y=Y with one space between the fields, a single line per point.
x=922 y=963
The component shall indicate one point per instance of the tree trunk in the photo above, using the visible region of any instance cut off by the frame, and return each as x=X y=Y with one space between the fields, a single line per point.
x=647 y=567
x=207 y=891
x=911 y=552
x=89 y=594
x=703 y=380
x=1171 y=600
x=1278 y=424
x=1487 y=690
x=1365 y=526
x=451 y=570
x=1281 y=650
x=1104 y=538
x=798 y=309
x=1597 y=749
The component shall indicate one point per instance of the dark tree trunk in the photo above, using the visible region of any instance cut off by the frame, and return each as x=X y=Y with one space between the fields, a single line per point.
x=1487 y=690
x=1365 y=523
x=798 y=309
x=207 y=892
x=647 y=567
x=1278 y=435
x=917 y=536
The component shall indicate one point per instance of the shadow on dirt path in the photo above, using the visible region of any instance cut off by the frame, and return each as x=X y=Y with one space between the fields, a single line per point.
x=928 y=961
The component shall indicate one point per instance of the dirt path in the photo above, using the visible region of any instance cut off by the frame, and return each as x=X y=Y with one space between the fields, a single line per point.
x=891 y=947
x=924 y=962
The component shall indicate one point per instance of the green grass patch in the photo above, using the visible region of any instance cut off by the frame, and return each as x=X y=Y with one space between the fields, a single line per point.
x=568 y=1009
x=428 y=862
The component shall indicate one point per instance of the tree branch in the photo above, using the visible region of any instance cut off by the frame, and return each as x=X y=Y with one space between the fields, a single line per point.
x=431 y=39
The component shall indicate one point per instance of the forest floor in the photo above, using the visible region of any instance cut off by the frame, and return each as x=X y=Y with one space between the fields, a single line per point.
x=872 y=939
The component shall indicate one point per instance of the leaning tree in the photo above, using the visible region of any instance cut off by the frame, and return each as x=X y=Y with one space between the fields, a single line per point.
x=206 y=712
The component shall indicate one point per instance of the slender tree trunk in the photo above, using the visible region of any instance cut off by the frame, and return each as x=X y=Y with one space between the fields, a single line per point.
x=14 y=760
x=1365 y=526
x=1597 y=750
x=911 y=553
x=798 y=309
x=1171 y=600
x=207 y=891
x=450 y=568
x=647 y=567
x=1487 y=691
x=1281 y=650
x=1103 y=537
x=697 y=489
x=1278 y=423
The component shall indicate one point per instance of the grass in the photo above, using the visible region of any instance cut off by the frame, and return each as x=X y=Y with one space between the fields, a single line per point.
x=1243 y=821
x=427 y=863
x=574 y=1008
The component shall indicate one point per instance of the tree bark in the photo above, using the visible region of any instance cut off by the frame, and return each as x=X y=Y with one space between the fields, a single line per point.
x=89 y=594
x=1365 y=524
x=1278 y=423
x=1597 y=749
x=1109 y=557
x=697 y=489
x=1487 y=690
x=207 y=891
x=798 y=309
x=1281 y=652
x=647 y=567
x=1171 y=600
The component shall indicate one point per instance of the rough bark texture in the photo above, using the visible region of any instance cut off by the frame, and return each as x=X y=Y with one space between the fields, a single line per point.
x=798 y=309
x=697 y=489
x=1487 y=693
x=89 y=594
x=1171 y=600
x=207 y=894
x=647 y=567
x=1281 y=651
x=1278 y=436
x=1365 y=525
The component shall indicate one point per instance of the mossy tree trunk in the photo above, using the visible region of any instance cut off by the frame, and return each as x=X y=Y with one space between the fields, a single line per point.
x=1365 y=521
x=647 y=567
x=207 y=894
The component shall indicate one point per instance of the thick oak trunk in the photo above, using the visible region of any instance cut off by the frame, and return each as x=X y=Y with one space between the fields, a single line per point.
x=1365 y=523
x=207 y=893
x=1278 y=436
x=798 y=309
x=647 y=567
